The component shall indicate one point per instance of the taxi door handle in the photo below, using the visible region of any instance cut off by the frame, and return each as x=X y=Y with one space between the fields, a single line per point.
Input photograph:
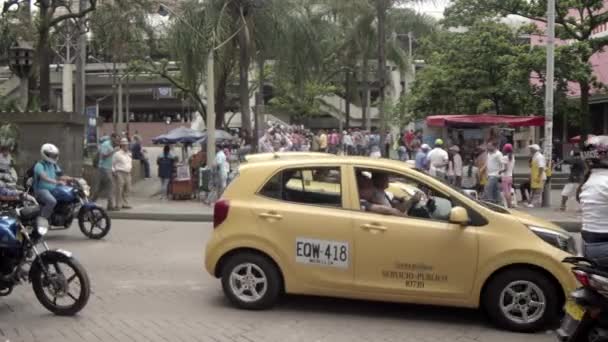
x=372 y=227
x=271 y=215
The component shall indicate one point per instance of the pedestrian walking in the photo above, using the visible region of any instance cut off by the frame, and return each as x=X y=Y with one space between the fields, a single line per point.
x=538 y=176
x=470 y=176
x=223 y=168
x=349 y=145
x=408 y=139
x=323 y=141
x=105 y=183
x=388 y=142
x=438 y=160
x=138 y=153
x=455 y=167
x=494 y=168
x=122 y=164
x=577 y=172
x=421 y=157
x=481 y=158
x=166 y=164
x=334 y=142
x=508 y=162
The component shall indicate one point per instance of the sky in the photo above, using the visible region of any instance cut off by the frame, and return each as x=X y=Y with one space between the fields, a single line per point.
x=433 y=8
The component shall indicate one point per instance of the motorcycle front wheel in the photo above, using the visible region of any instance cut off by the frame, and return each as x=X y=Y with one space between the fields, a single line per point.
x=94 y=223
x=64 y=288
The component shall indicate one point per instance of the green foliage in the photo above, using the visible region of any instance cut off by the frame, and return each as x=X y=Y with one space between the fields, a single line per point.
x=576 y=21
x=120 y=31
x=303 y=101
x=486 y=68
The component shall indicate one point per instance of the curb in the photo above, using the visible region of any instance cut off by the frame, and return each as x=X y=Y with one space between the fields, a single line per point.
x=161 y=217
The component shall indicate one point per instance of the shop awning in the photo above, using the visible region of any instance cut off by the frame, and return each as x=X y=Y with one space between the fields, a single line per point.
x=484 y=120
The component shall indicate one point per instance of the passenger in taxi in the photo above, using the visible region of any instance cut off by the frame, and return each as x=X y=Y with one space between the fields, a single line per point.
x=373 y=196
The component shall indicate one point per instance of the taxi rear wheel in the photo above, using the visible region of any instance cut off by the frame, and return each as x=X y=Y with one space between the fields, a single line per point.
x=522 y=300
x=251 y=281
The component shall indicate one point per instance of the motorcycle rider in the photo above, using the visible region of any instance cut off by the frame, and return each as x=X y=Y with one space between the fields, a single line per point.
x=47 y=175
x=593 y=197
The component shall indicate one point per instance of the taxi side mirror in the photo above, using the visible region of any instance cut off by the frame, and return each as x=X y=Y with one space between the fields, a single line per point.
x=459 y=215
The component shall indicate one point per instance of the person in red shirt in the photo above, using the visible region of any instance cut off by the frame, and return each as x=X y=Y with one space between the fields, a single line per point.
x=408 y=138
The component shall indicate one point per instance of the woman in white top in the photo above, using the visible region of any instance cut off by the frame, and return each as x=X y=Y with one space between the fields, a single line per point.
x=508 y=162
x=470 y=176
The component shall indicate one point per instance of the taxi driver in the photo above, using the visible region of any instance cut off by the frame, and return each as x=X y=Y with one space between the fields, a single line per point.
x=374 y=198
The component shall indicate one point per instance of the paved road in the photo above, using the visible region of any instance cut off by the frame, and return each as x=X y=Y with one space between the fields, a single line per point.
x=149 y=285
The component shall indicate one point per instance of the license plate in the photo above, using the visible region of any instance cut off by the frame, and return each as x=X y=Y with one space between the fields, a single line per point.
x=575 y=311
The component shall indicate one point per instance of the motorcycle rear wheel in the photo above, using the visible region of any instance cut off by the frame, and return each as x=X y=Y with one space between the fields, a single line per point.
x=59 y=285
x=94 y=223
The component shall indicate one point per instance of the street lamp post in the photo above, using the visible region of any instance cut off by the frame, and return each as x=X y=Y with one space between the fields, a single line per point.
x=548 y=146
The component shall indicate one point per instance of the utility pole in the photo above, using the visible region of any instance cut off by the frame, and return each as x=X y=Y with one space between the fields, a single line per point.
x=81 y=62
x=548 y=146
x=210 y=109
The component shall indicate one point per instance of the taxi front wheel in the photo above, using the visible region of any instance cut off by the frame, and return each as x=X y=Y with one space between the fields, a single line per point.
x=251 y=281
x=522 y=300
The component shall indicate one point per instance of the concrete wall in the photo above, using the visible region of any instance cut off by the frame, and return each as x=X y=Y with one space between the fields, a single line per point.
x=65 y=130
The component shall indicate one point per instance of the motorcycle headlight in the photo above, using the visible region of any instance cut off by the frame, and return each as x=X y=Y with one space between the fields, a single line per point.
x=42 y=226
x=556 y=239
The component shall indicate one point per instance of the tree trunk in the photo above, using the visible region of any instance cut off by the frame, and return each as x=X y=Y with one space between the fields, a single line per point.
x=220 y=100
x=259 y=99
x=114 y=99
x=244 y=80
x=382 y=8
x=365 y=122
x=44 y=59
x=347 y=100
x=584 y=108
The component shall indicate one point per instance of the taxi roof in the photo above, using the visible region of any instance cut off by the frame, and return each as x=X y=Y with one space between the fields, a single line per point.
x=312 y=158
x=261 y=157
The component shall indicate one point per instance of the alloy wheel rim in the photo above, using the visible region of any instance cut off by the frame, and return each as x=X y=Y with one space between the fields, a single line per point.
x=523 y=302
x=248 y=282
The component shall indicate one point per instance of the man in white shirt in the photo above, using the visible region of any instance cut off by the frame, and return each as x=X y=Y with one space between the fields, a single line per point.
x=122 y=163
x=494 y=167
x=438 y=160
x=349 y=145
x=455 y=169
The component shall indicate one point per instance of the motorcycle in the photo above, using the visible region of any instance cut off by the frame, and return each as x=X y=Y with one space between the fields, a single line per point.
x=73 y=202
x=55 y=275
x=586 y=318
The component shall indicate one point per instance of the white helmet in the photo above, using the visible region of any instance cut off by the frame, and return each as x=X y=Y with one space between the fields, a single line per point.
x=50 y=153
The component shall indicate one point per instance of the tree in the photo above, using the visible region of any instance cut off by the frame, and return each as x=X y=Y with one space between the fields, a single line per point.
x=51 y=13
x=121 y=34
x=486 y=68
x=576 y=21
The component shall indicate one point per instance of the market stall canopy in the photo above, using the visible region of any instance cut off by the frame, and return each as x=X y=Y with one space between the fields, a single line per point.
x=180 y=135
x=220 y=137
x=484 y=120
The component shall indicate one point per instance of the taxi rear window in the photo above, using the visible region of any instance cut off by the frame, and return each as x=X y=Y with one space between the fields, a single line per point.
x=316 y=186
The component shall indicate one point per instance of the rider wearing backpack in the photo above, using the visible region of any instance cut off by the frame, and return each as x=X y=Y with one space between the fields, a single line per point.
x=47 y=175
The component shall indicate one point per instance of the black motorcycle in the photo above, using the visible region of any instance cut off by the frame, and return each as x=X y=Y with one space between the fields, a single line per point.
x=586 y=318
x=59 y=281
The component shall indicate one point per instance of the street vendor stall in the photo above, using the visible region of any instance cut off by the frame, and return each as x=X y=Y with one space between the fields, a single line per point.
x=470 y=131
x=183 y=184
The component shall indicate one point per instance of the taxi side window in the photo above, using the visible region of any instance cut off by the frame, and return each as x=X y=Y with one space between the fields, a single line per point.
x=315 y=186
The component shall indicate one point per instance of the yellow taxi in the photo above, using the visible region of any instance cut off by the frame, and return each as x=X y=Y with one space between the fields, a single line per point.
x=377 y=229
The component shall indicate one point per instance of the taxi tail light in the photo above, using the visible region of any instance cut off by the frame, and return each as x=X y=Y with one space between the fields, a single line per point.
x=582 y=278
x=220 y=212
